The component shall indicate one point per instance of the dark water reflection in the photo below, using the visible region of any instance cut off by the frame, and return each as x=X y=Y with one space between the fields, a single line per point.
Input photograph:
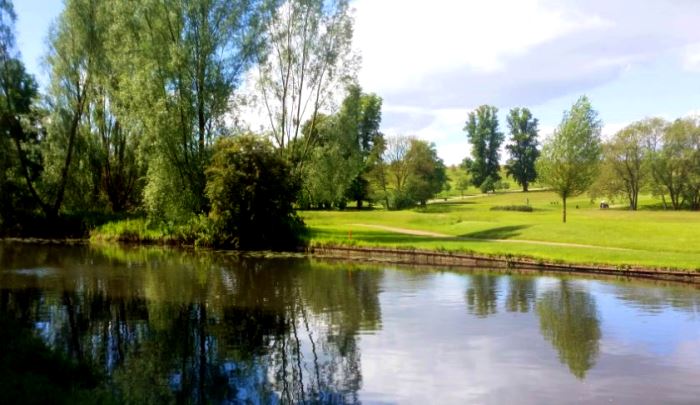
x=178 y=327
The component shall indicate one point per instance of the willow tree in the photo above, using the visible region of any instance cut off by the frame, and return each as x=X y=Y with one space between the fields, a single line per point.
x=570 y=158
x=307 y=59
x=20 y=130
x=180 y=63
x=90 y=133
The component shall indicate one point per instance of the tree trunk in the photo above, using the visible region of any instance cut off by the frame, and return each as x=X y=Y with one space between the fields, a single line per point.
x=563 y=211
x=525 y=187
x=359 y=204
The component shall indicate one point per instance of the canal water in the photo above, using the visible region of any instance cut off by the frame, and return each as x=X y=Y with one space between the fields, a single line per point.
x=171 y=326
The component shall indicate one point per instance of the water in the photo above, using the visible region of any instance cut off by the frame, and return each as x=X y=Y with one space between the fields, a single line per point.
x=170 y=326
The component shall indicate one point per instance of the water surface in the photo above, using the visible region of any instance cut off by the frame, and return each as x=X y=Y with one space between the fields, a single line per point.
x=163 y=326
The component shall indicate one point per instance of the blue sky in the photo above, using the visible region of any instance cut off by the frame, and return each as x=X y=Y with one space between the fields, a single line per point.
x=434 y=61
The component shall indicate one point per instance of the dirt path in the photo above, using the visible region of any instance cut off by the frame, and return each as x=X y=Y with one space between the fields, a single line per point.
x=415 y=232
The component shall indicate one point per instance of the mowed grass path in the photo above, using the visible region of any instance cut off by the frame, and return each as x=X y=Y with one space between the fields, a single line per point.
x=652 y=238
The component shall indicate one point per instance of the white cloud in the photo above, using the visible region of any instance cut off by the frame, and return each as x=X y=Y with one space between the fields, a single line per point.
x=610 y=129
x=403 y=42
x=691 y=58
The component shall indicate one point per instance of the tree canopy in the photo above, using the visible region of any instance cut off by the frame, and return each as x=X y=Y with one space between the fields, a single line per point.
x=570 y=158
x=485 y=139
x=522 y=147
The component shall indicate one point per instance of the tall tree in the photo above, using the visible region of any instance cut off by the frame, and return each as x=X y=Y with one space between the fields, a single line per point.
x=408 y=172
x=522 y=147
x=369 y=120
x=485 y=138
x=20 y=128
x=570 y=159
x=180 y=62
x=391 y=172
x=427 y=171
x=73 y=54
x=676 y=163
x=627 y=156
x=336 y=165
x=307 y=59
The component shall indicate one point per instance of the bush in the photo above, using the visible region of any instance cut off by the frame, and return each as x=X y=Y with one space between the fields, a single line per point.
x=251 y=191
x=523 y=208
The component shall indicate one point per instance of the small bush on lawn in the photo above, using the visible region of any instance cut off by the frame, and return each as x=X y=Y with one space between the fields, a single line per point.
x=523 y=208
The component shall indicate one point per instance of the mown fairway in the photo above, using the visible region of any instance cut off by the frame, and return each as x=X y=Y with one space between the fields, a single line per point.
x=614 y=236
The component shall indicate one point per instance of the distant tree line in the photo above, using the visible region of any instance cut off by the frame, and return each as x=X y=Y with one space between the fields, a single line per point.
x=649 y=156
x=656 y=156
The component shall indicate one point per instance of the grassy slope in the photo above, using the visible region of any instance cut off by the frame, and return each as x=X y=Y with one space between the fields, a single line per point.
x=650 y=237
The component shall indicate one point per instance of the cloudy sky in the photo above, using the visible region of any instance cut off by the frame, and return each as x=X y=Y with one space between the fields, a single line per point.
x=433 y=61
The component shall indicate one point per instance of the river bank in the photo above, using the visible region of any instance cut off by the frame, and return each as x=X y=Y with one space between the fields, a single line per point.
x=419 y=257
x=475 y=260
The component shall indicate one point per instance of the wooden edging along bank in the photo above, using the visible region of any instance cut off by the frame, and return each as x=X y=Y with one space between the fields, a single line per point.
x=457 y=259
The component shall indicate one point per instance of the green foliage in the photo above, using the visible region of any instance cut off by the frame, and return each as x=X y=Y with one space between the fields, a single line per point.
x=251 y=191
x=462 y=180
x=196 y=230
x=409 y=172
x=569 y=320
x=570 y=159
x=335 y=168
x=485 y=138
x=427 y=176
x=627 y=160
x=306 y=59
x=178 y=64
x=522 y=147
x=521 y=208
x=20 y=132
x=675 y=163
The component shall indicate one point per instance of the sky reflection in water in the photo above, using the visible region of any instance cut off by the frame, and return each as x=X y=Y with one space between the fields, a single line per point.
x=173 y=326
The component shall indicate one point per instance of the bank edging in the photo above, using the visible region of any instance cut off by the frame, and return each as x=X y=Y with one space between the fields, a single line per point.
x=462 y=259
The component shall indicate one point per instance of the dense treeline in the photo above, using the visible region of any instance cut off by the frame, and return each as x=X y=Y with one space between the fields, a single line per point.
x=140 y=118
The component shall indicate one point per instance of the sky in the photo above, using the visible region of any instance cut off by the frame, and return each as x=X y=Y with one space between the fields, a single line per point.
x=434 y=61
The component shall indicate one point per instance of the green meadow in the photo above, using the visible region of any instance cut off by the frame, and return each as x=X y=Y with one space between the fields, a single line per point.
x=650 y=237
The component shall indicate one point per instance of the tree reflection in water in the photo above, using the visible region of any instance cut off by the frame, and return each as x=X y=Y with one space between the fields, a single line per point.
x=568 y=315
x=522 y=292
x=199 y=328
x=569 y=320
x=482 y=295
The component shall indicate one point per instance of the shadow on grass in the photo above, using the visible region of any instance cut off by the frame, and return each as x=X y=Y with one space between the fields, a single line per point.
x=386 y=237
x=502 y=232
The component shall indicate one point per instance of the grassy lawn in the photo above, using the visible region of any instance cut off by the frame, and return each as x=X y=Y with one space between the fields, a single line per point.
x=615 y=236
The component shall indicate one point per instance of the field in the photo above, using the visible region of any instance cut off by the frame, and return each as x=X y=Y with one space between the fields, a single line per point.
x=649 y=237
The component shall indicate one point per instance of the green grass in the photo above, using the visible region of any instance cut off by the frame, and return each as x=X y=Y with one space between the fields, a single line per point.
x=617 y=236
x=195 y=231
